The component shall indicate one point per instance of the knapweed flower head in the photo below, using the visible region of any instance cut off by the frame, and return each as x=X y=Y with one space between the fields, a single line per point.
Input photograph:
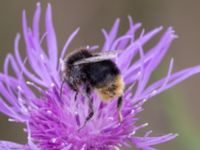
x=32 y=95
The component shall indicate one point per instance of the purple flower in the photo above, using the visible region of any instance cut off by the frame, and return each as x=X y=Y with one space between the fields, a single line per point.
x=31 y=95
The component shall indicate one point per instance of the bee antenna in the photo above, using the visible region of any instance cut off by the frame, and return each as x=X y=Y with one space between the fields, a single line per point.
x=61 y=88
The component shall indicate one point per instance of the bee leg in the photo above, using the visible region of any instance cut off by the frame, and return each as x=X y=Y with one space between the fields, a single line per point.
x=61 y=88
x=90 y=106
x=75 y=96
x=119 y=105
x=91 y=110
x=75 y=89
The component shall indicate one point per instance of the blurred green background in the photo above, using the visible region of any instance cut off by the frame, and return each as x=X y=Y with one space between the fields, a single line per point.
x=176 y=110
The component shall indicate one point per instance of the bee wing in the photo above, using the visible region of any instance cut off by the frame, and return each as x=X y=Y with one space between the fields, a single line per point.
x=113 y=52
x=99 y=57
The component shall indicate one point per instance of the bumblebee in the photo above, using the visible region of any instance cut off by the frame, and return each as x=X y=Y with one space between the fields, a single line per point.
x=94 y=71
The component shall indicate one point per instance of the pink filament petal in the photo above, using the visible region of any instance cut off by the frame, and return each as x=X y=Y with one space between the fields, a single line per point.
x=51 y=39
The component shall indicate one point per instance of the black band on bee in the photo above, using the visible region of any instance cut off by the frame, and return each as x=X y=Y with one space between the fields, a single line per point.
x=76 y=56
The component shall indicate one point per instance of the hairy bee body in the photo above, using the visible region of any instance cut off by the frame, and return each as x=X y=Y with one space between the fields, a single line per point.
x=102 y=76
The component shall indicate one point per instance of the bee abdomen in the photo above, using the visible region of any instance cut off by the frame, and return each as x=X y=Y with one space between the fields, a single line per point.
x=111 y=89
